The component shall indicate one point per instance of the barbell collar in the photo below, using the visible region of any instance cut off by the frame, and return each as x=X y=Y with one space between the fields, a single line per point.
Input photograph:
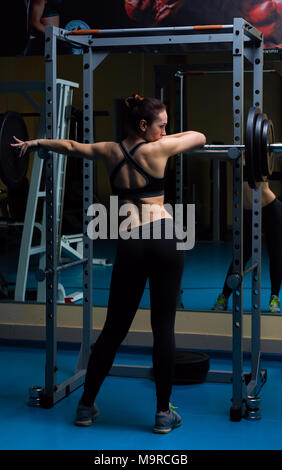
x=234 y=280
x=234 y=153
x=276 y=148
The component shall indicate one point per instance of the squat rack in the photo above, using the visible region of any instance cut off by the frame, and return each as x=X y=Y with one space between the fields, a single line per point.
x=247 y=42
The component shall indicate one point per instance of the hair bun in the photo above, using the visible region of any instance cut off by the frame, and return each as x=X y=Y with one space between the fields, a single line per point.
x=138 y=97
x=133 y=100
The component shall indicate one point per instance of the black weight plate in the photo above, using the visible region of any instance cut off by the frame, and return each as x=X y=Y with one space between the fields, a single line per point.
x=270 y=154
x=249 y=145
x=191 y=367
x=267 y=156
x=12 y=168
x=258 y=147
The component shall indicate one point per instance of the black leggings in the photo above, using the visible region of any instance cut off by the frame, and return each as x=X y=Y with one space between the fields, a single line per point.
x=137 y=260
x=272 y=229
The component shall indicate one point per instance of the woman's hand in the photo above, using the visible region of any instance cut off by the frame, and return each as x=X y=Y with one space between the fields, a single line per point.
x=23 y=147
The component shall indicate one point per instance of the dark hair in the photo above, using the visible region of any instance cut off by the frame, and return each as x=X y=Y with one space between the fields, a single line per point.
x=138 y=108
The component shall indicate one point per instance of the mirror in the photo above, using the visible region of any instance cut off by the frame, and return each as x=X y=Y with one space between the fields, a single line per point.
x=207 y=184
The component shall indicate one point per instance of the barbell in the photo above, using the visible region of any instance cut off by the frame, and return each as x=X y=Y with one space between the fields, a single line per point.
x=259 y=147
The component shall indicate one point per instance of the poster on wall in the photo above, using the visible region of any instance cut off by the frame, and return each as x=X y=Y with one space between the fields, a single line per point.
x=24 y=21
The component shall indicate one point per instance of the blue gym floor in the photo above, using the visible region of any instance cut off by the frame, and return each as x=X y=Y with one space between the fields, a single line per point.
x=205 y=270
x=127 y=407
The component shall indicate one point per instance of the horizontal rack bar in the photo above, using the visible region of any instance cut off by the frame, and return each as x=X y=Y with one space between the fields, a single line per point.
x=65 y=388
x=180 y=73
x=127 y=370
x=71 y=264
x=251 y=268
x=106 y=42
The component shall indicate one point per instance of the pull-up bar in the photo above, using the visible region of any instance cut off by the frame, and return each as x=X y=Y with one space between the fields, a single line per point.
x=176 y=29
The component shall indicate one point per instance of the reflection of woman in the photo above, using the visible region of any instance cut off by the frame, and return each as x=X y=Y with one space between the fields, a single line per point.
x=42 y=13
x=136 y=167
x=272 y=227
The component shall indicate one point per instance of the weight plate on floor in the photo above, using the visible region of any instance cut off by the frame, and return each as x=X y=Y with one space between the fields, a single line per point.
x=267 y=139
x=259 y=176
x=191 y=367
x=12 y=168
x=249 y=145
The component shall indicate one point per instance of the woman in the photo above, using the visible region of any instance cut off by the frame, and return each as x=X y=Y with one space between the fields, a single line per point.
x=271 y=215
x=136 y=167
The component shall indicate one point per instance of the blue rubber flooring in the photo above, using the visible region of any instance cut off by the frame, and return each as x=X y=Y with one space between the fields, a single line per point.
x=127 y=407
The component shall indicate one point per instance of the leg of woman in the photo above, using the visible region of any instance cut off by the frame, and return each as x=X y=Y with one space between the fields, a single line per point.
x=166 y=268
x=127 y=286
x=272 y=226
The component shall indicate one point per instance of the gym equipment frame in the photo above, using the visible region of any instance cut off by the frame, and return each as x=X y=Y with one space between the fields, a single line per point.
x=177 y=73
x=246 y=42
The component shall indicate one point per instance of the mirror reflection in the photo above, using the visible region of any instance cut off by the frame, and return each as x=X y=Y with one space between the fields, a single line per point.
x=207 y=183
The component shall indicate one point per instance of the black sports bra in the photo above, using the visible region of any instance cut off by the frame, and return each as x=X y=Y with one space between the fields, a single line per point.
x=154 y=186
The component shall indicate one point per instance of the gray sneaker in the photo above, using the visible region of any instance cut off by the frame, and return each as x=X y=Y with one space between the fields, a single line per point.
x=221 y=304
x=274 y=304
x=85 y=415
x=166 y=423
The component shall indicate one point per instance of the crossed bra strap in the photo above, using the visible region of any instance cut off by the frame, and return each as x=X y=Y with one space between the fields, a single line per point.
x=154 y=186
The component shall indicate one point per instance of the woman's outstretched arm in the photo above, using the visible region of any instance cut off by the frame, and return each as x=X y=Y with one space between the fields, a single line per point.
x=63 y=146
